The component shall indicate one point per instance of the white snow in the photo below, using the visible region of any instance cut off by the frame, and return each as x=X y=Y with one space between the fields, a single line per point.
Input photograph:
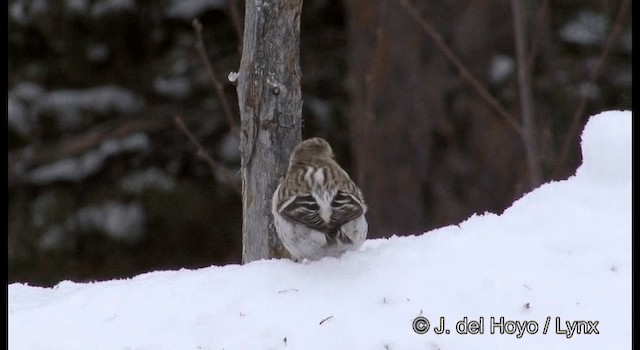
x=18 y=115
x=322 y=111
x=589 y=28
x=79 y=7
x=53 y=238
x=104 y=7
x=190 y=9
x=501 y=67
x=152 y=178
x=589 y=90
x=98 y=52
x=561 y=253
x=77 y=168
x=69 y=107
x=19 y=98
x=24 y=11
x=27 y=91
x=117 y=220
x=606 y=149
x=120 y=221
x=174 y=87
x=232 y=77
x=230 y=148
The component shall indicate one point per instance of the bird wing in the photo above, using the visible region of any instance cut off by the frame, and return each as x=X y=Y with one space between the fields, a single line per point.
x=304 y=209
x=345 y=207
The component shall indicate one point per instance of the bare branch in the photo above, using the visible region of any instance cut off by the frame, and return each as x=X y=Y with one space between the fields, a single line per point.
x=464 y=73
x=578 y=115
x=29 y=157
x=536 y=33
x=219 y=88
x=236 y=20
x=202 y=153
x=526 y=100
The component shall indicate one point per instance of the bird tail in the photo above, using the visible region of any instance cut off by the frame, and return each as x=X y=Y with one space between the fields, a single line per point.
x=334 y=236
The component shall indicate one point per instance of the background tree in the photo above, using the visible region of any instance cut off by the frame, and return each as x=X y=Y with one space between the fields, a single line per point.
x=393 y=112
x=441 y=115
x=103 y=183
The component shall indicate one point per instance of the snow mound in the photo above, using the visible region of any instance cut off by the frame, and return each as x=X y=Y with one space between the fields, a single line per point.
x=552 y=272
x=606 y=147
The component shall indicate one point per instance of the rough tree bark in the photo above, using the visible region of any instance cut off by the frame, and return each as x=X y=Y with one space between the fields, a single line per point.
x=270 y=103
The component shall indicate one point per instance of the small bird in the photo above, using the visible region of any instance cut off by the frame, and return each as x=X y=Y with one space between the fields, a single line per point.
x=318 y=210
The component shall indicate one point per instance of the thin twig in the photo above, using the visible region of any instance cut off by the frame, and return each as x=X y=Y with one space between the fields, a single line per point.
x=326 y=319
x=22 y=160
x=236 y=20
x=288 y=290
x=202 y=153
x=537 y=33
x=578 y=116
x=526 y=100
x=217 y=85
x=466 y=75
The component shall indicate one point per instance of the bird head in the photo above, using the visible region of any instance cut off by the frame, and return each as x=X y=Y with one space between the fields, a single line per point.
x=313 y=148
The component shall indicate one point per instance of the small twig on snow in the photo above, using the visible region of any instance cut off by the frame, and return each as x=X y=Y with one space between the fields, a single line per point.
x=288 y=290
x=326 y=319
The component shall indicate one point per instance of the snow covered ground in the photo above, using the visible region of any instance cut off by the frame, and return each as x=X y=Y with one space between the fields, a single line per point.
x=552 y=272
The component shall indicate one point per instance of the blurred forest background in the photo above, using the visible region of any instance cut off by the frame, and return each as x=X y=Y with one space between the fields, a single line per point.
x=103 y=183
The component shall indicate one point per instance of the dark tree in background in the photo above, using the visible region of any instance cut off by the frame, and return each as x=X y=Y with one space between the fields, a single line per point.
x=103 y=183
x=440 y=129
x=396 y=90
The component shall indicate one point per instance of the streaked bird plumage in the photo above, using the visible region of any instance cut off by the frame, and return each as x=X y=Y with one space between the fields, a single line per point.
x=318 y=210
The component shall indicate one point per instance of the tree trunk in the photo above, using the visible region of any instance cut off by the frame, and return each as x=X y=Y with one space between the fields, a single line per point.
x=270 y=103
x=390 y=115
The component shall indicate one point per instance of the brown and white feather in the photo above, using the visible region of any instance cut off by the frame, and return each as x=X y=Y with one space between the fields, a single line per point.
x=318 y=197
